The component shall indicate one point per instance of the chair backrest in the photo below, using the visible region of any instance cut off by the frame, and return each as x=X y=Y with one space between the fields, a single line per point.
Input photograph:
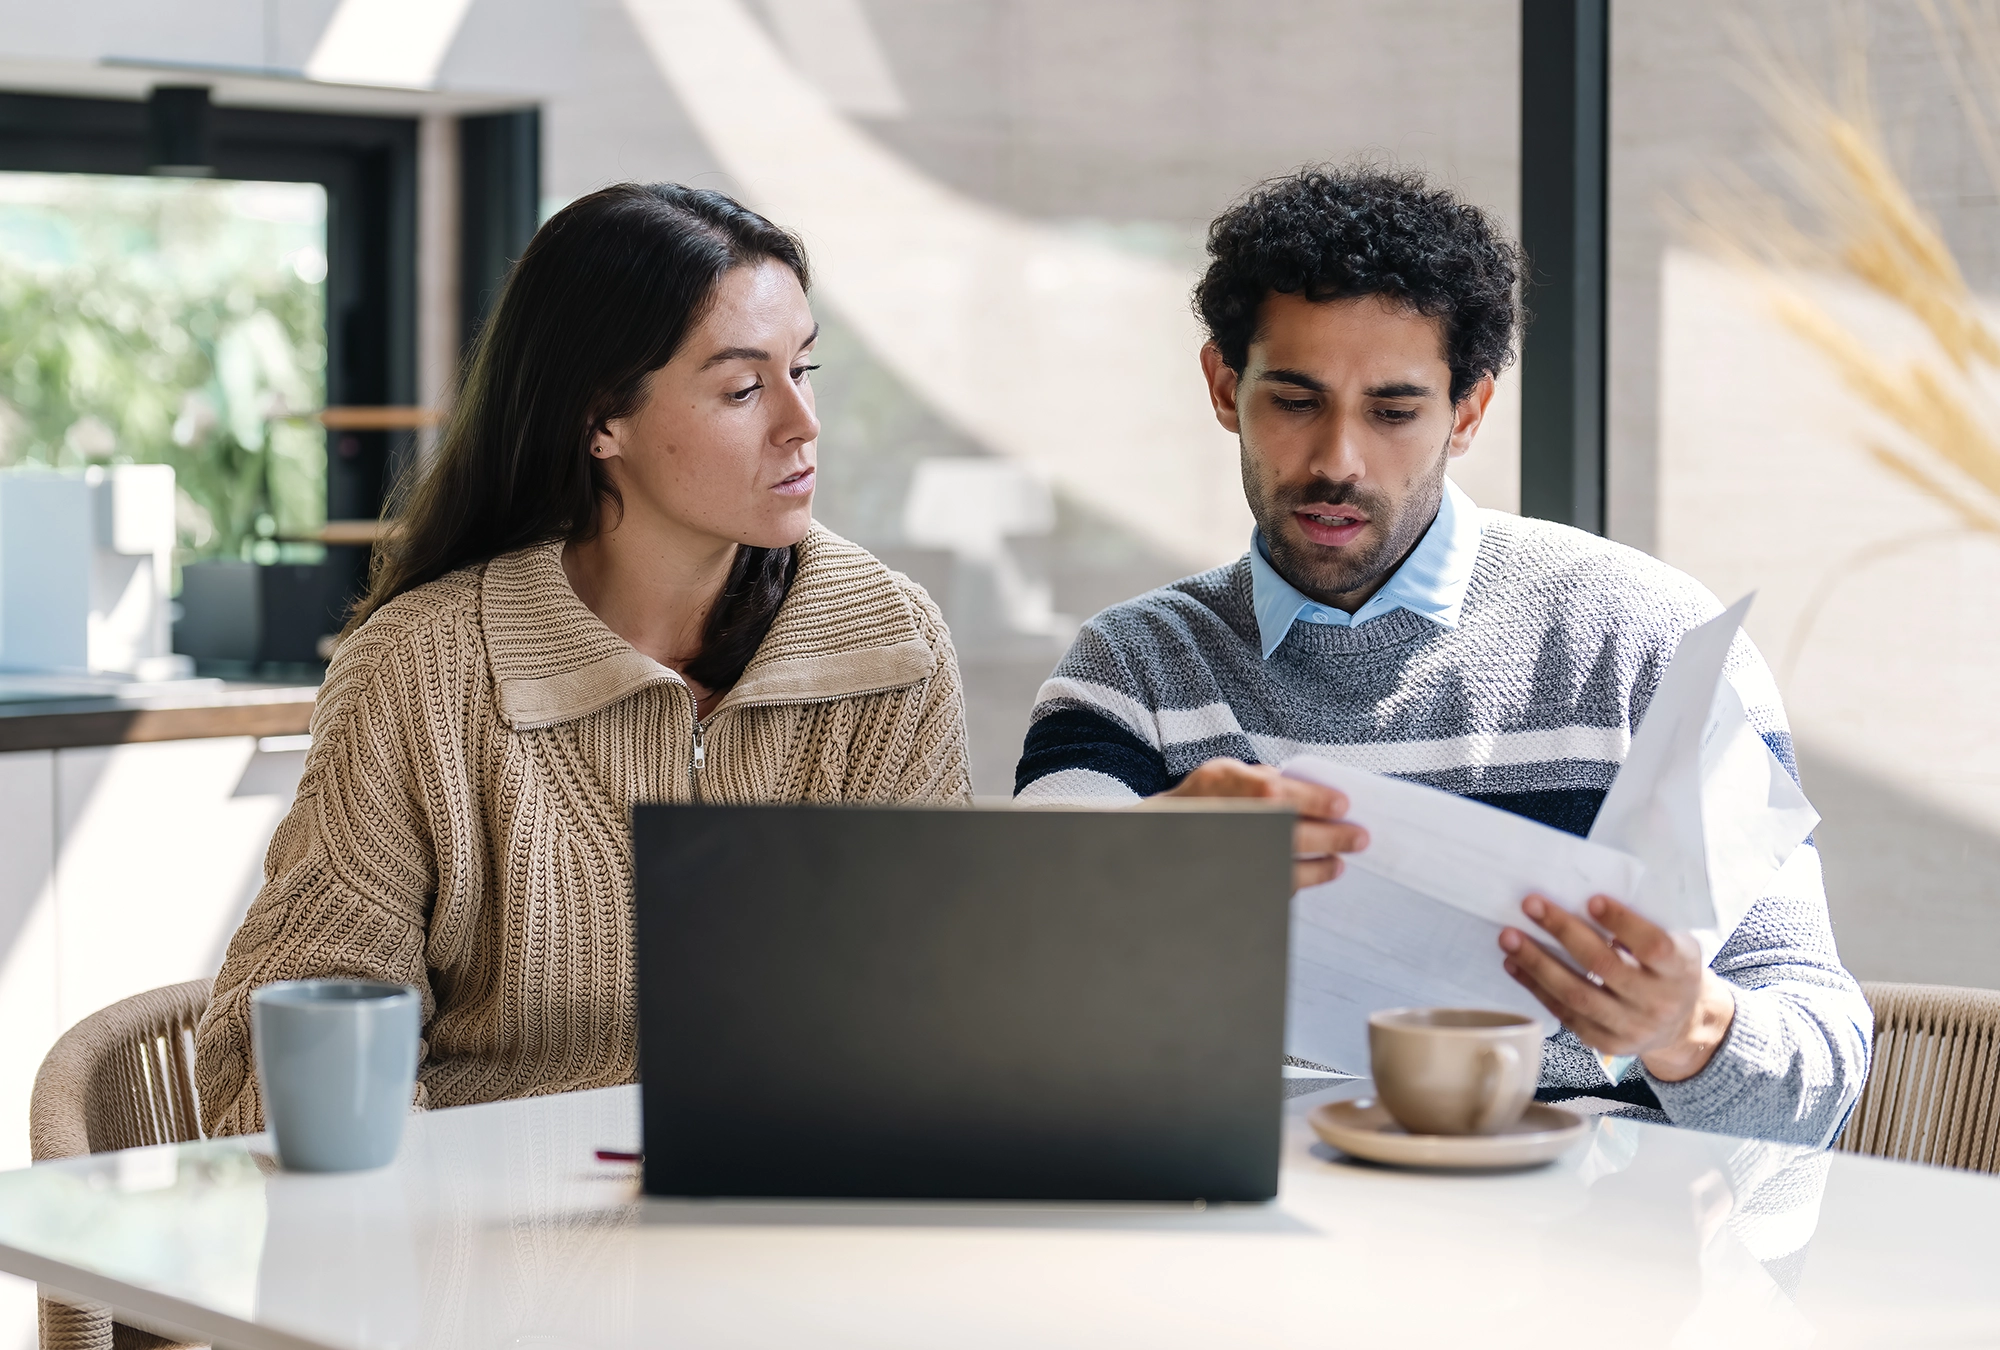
x=123 y=1077
x=1933 y=1090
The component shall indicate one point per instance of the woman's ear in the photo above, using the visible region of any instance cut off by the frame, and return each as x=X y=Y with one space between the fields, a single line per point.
x=605 y=440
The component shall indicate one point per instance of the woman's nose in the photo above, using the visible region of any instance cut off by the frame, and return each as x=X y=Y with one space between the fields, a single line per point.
x=797 y=421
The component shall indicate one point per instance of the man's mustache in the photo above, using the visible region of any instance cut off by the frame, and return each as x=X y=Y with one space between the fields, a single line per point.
x=1322 y=493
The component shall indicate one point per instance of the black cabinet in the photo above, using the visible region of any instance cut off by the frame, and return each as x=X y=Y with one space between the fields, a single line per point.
x=257 y=614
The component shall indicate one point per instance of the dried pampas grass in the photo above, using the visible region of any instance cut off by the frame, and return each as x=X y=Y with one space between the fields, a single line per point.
x=1852 y=218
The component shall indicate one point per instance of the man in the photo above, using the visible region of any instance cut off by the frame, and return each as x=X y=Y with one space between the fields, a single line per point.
x=1357 y=320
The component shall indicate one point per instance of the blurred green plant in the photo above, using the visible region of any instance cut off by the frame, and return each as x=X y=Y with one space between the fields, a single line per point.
x=170 y=321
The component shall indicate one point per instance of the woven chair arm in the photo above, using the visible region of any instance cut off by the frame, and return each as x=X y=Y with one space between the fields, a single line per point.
x=69 y=1113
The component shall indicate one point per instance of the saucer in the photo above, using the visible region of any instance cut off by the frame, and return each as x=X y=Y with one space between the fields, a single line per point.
x=1363 y=1128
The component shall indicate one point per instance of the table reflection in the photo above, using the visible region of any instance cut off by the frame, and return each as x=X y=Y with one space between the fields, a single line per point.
x=327 y=1236
x=498 y=1227
x=1751 y=1209
x=493 y=1228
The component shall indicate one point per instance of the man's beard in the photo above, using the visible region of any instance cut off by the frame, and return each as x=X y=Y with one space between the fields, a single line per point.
x=1319 y=571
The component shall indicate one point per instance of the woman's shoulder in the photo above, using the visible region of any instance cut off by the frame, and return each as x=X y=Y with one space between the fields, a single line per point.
x=448 y=602
x=839 y=576
x=427 y=631
x=849 y=623
x=451 y=596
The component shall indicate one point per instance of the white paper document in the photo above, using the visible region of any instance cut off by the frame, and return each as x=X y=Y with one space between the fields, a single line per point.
x=1700 y=799
x=1694 y=828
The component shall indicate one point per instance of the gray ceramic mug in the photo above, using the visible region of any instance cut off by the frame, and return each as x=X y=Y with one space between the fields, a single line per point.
x=337 y=1064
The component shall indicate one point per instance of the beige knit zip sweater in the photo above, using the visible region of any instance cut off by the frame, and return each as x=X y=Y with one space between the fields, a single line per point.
x=462 y=822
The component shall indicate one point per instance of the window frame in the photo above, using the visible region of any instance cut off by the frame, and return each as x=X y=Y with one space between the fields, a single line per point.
x=368 y=166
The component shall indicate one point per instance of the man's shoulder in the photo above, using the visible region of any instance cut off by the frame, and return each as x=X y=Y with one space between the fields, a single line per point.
x=1574 y=576
x=1166 y=643
x=1193 y=608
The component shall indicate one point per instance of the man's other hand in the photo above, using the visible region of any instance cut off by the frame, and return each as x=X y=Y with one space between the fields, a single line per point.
x=1645 y=992
x=1321 y=834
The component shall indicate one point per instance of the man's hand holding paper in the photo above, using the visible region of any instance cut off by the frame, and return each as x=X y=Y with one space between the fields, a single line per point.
x=1448 y=879
x=1630 y=986
x=1323 y=831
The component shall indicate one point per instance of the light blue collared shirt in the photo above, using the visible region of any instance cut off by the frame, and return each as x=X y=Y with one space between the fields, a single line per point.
x=1431 y=581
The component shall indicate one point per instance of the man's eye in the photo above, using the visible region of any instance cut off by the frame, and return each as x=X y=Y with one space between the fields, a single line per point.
x=1297 y=405
x=1396 y=414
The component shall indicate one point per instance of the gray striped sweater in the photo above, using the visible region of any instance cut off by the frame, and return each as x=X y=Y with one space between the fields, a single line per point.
x=1529 y=704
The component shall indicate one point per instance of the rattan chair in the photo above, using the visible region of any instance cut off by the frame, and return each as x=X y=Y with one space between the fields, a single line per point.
x=1933 y=1090
x=121 y=1078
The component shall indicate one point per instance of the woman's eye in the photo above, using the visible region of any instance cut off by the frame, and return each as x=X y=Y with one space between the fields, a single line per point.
x=799 y=373
x=743 y=395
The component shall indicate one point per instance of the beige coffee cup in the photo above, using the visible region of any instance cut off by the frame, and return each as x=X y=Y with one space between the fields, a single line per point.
x=1454 y=1070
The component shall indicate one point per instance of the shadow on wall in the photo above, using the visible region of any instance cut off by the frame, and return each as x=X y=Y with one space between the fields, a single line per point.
x=1012 y=562
x=1915 y=893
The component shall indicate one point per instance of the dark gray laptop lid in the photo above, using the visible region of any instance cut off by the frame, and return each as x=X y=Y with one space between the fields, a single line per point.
x=961 y=1002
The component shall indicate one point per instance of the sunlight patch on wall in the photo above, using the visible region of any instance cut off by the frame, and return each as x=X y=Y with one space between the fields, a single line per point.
x=1054 y=349
x=400 y=43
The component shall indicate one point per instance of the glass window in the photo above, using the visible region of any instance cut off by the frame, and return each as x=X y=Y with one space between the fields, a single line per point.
x=1805 y=402
x=176 y=321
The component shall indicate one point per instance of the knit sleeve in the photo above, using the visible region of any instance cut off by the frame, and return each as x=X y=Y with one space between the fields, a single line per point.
x=348 y=879
x=1792 y=1065
x=1093 y=739
x=939 y=765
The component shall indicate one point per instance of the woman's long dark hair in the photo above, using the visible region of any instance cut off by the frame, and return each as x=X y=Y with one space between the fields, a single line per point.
x=603 y=296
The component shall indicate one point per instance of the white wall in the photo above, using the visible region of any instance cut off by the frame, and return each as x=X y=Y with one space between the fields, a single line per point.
x=122 y=868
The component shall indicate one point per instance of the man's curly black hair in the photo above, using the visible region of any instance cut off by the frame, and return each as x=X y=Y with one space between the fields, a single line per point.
x=1331 y=233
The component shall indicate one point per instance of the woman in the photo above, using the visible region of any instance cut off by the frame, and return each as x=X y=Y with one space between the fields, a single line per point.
x=606 y=589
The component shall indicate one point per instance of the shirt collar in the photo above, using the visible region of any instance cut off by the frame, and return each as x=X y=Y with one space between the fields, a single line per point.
x=1431 y=581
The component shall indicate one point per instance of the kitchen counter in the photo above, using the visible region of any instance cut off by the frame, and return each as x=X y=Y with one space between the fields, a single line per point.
x=50 y=713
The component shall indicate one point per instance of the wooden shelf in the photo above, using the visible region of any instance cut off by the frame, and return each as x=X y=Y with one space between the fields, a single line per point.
x=352 y=532
x=376 y=419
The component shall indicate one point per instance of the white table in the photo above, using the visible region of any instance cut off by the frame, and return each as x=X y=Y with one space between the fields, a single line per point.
x=497 y=1228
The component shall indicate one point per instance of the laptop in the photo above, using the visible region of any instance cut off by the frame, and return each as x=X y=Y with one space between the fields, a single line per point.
x=962 y=1002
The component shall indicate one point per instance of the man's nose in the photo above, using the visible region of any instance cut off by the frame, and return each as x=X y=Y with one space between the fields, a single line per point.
x=1339 y=455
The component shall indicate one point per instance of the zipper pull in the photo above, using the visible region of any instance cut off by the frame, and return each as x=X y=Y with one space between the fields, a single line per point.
x=700 y=752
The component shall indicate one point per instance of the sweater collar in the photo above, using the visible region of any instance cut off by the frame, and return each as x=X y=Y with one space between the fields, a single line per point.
x=846 y=629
